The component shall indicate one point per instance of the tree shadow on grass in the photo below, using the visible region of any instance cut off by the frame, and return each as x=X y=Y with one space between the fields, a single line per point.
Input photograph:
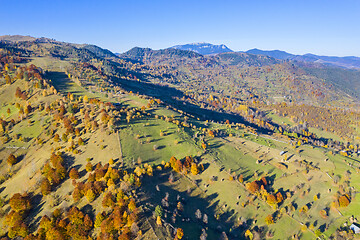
x=88 y=209
x=60 y=80
x=160 y=147
x=216 y=145
x=171 y=95
x=68 y=160
x=206 y=166
x=186 y=219
x=37 y=203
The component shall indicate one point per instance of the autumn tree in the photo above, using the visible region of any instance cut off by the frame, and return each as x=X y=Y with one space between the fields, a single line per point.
x=158 y=221
x=11 y=160
x=88 y=224
x=85 y=99
x=80 y=141
x=203 y=145
x=76 y=194
x=279 y=197
x=108 y=200
x=188 y=161
x=271 y=200
x=211 y=133
x=56 y=137
x=46 y=223
x=74 y=173
x=90 y=195
x=241 y=178
x=344 y=201
x=179 y=233
x=158 y=211
x=98 y=219
x=45 y=187
x=89 y=167
x=253 y=187
x=194 y=169
x=180 y=206
x=20 y=202
x=172 y=161
x=19 y=229
x=323 y=213
x=132 y=205
x=178 y=166
x=18 y=92
x=269 y=220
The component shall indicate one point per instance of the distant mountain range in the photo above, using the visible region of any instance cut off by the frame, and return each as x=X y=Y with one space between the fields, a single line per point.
x=211 y=49
x=204 y=48
x=350 y=62
x=344 y=62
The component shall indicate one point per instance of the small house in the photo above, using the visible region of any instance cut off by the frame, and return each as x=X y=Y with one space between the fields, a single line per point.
x=355 y=228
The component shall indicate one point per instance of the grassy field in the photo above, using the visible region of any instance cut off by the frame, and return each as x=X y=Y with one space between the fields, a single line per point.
x=139 y=139
x=280 y=120
x=49 y=63
x=324 y=134
x=240 y=156
x=63 y=84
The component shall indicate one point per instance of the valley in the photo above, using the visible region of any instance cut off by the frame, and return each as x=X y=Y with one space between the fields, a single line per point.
x=172 y=144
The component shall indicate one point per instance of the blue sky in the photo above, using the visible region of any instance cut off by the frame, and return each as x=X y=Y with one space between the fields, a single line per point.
x=324 y=27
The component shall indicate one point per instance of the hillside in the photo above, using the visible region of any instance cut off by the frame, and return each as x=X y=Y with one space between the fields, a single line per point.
x=170 y=56
x=16 y=38
x=266 y=77
x=346 y=80
x=204 y=48
x=273 y=53
x=171 y=144
x=228 y=81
